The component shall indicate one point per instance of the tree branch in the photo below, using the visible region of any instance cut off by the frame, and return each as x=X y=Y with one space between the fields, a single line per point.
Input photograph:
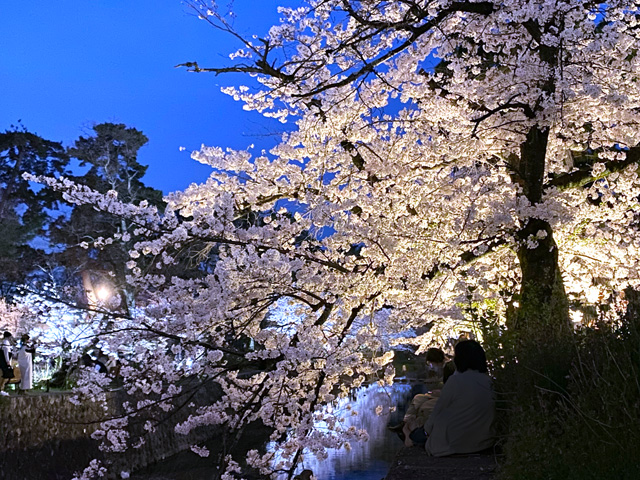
x=464 y=259
x=581 y=177
x=264 y=67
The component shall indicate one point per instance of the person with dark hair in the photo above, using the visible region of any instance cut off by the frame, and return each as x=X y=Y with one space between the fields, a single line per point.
x=435 y=359
x=422 y=404
x=435 y=355
x=97 y=365
x=462 y=419
x=469 y=355
x=6 y=371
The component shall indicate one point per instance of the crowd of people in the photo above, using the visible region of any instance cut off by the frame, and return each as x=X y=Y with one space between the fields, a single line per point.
x=457 y=416
x=16 y=366
x=16 y=362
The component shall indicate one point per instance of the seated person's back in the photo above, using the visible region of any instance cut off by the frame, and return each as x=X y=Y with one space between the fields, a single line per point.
x=462 y=419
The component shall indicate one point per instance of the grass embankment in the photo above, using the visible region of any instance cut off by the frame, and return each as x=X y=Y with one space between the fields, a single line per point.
x=572 y=410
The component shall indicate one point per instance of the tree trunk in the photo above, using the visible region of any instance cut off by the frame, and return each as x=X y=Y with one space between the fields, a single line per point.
x=543 y=312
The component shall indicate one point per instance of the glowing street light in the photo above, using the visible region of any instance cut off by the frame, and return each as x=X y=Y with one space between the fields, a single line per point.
x=103 y=293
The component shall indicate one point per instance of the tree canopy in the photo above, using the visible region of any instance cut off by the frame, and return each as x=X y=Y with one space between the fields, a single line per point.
x=25 y=208
x=111 y=157
x=446 y=154
x=459 y=134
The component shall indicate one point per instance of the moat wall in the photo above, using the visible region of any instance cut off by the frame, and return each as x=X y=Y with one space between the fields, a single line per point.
x=45 y=436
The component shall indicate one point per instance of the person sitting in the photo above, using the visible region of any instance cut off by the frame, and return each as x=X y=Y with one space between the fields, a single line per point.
x=417 y=414
x=462 y=419
x=96 y=365
x=435 y=360
x=423 y=403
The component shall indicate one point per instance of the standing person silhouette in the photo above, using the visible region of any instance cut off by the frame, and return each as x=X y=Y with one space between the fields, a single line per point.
x=6 y=371
x=25 y=363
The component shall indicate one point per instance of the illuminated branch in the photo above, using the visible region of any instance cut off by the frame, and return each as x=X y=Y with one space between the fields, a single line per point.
x=582 y=177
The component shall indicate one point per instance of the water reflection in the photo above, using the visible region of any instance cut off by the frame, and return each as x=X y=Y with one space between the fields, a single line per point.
x=368 y=460
x=371 y=459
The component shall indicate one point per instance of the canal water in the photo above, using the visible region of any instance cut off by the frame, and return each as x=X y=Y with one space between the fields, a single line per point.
x=369 y=460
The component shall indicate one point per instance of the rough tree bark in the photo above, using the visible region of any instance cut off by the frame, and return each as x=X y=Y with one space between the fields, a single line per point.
x=543 y=311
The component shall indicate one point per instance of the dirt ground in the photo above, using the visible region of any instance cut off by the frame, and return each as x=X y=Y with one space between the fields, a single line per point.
x=413 y=463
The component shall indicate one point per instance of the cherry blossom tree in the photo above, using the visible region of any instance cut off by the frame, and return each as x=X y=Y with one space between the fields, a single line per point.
x=464 y=128
x=445 y=153
x=110 y=154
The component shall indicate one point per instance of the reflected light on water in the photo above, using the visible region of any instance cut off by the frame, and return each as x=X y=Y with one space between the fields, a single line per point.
x=367 y=460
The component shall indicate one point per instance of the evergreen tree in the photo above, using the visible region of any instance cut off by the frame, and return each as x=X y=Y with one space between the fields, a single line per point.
x=25 y=209
x=111 y=154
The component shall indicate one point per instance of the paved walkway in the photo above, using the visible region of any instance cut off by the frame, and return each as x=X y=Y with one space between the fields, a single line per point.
x=414 y=464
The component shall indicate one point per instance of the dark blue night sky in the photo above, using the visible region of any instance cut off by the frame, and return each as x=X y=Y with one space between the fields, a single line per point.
x=65 y=65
